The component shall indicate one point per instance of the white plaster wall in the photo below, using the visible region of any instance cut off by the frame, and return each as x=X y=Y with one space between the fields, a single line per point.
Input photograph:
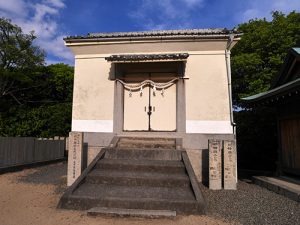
x=93 y=96
x=207 y=98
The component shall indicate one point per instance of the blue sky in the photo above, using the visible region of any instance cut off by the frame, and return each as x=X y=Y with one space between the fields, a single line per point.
x=54 y=19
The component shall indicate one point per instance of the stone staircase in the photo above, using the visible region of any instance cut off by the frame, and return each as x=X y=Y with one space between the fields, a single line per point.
x=138 y=173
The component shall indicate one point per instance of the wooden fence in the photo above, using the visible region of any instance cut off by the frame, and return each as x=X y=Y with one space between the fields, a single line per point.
x=17 y=151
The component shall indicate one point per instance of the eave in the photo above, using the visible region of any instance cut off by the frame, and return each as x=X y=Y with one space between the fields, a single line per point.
x=162 y=35
x=147 y=57
x=287 y=90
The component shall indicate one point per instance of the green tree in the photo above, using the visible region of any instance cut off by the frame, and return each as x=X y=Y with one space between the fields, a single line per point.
x=35 y=100
x=259 y=55
x=18 y=58
x=47 y=120
x=47 y=106
x=61 y=82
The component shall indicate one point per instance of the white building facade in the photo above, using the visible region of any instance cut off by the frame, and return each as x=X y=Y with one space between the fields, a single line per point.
x=154 y=84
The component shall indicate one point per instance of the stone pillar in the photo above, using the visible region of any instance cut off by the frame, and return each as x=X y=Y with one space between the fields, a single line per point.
x=230 y=170
x=215 y=164
x=74 y=156
x=67 y=144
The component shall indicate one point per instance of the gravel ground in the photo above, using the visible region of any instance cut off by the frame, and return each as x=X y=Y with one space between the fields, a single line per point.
x=250 y=204
x=53 y=174
x=30 y=197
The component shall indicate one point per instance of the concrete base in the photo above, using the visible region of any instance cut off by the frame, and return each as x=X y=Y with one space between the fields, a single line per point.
x=189 y=141
x=99 y=211
x=280 y=186
x=199 y=161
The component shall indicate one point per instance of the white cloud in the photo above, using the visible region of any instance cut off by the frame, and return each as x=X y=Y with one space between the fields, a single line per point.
x=263 y=8
x=14 y=7
x=165 y=14
x=41 y=10
x=42 y=18
x=57 y=47
x=56 y=3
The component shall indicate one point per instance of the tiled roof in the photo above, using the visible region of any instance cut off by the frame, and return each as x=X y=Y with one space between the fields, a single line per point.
x=144 y=57
x=193 y=33
x=284 y=75
x=285 y=84
x=288 y=89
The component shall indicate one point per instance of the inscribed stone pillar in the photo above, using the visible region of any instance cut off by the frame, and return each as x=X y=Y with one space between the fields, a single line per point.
x=230 y=176
x=215 y=164
x=74 y=156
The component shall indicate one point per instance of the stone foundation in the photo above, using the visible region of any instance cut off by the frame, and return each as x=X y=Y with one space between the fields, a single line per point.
x=196 y=146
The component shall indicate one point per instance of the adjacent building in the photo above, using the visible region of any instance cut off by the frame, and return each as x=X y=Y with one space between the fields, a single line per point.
x=284 y=96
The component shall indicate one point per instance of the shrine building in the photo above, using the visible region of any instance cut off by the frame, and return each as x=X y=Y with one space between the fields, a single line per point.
x=160 y=84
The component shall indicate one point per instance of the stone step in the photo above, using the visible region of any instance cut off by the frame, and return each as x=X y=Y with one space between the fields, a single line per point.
x=146 y=140
x=280 y=186
x=138 y=178
x=86 y=202
x=120 y=212
x=156 y=143
x=147 y=154
x=145 y=145
x=88 y=196
x=134 y=192
x=163 y=166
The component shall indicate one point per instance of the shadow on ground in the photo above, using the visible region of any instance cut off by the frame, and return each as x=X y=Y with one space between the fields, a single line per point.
x=53 y=174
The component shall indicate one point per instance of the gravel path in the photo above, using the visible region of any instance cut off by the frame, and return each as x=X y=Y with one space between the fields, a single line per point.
x=252 y=204
x=53 y=174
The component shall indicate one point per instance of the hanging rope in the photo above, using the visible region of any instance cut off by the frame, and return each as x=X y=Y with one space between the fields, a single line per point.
x=159 y=86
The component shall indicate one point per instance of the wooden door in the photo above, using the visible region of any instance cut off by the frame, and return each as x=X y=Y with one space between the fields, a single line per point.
x=135 y=110
x=163 y=117
x=151 y=110
x=290 y=144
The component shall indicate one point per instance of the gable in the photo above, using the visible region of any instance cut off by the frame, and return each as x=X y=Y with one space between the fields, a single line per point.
x=286 y=84
x=290 y=70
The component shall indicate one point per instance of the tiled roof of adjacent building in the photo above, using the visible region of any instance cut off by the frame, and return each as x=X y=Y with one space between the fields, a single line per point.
x=286 y=84
x=193 y=33
x=143 y=57
x=288 y=89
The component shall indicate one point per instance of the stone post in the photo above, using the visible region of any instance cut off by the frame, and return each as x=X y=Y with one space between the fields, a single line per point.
x=215 y=164
x=74 y=156
x=67 y=144
x=230 y=170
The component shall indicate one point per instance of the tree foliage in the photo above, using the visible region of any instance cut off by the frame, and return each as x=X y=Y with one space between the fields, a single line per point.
x=259 y=55
x=46 y=120
x=18 y=58
x=46 y=107
x=35 y=100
